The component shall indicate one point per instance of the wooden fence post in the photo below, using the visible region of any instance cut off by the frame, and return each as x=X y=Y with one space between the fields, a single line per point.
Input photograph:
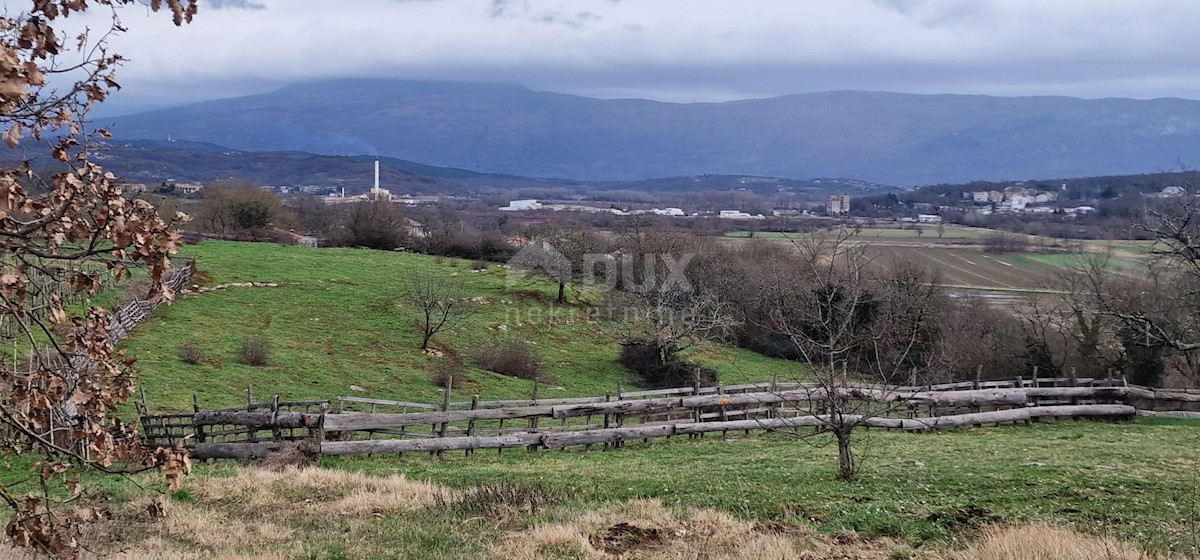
x=533 y=422
x=196 y=429
x=471 y=423
x=607 y=420
x=619 y=418
x=441 y=433
x=721 y=391
x=276 y=433
x=773 y=408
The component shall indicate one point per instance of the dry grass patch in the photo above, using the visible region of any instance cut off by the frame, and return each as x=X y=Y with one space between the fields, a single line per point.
x=644 y=529
x=256 y=514
x=297 y=492
x=210 y=529
x=1043 y=542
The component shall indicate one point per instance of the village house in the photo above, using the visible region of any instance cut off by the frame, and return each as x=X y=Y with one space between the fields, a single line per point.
x=187 y=189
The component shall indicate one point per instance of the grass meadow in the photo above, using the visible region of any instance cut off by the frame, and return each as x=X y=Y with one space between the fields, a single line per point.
x=1129 y=489
x=332 y=323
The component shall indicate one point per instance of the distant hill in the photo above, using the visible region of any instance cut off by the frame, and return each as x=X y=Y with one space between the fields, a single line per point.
x=885 y=138
x=155 y=161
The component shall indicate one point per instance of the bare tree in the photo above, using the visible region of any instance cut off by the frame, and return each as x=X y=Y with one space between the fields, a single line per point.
x=1173 y=283
x=672 y=321
x=61 y=234
x=375 y=224
x=561 y=251
x=435 y=305
x=859 y=331
x=233 y=206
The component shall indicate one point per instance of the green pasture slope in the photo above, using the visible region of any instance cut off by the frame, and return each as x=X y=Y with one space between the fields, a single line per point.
x=330 y=328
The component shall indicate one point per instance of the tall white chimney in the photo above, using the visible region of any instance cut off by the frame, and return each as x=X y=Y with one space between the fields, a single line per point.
x=376 y=174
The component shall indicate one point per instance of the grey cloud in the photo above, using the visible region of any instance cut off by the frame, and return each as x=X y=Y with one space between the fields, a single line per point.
x=504 y=8
x=575 y=21
x=683 y=50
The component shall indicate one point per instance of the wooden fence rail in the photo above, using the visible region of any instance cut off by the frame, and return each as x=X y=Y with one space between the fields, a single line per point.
x=262 y=427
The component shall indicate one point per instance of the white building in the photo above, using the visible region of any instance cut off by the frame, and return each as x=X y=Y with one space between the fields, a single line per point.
x=1018 y=202
x=739 y=215
x=519 y=205
x=1172 y=192
x=838 y=204
x=668 y=211
x=929 y=218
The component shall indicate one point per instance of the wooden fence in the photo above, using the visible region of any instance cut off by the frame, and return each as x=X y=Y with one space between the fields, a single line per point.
x=357 y=425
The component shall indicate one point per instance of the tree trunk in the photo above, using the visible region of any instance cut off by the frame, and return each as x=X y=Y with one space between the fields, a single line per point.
x=561 y=288
x=425 y=340
x=846 y=466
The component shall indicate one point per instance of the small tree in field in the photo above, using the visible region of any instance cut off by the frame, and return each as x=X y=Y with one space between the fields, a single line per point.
x=862 y=333
x=435 y=305
x=561 y=252
x=61 y=233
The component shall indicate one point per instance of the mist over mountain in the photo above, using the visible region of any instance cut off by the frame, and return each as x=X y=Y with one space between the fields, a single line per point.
x=890 y=138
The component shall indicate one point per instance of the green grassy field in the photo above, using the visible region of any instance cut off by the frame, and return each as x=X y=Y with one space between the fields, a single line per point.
x=1138 y=480
x=922 y=494
x=330 y=327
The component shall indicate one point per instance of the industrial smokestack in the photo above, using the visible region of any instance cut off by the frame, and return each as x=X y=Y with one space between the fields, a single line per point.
x=376 y=174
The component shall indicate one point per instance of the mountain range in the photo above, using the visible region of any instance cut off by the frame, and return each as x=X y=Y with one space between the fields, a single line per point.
x=888 y=138
x=156 y=161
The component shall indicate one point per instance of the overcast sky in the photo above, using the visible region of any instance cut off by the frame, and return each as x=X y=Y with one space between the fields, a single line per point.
x=674 y=50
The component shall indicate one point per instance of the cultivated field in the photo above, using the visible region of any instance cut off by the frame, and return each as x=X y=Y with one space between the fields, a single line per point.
x=959 y=259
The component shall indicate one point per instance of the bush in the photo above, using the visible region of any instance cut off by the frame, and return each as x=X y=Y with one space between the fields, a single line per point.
x=447 y=372
x=515 y=359
x=190 y=353
x=254 y=351
x=1000 y=242
x=643 y=358
x=480 y=265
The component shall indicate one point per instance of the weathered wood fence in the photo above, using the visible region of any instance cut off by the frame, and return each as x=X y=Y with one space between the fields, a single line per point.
x=357 y=425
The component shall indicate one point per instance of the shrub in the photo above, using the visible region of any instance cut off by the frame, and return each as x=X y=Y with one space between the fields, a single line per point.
x=515 y=359
x=480 y=264
x=644 y=359
x=447 y=372
x=190 y=353
x=254 y=351
x=1000 y=242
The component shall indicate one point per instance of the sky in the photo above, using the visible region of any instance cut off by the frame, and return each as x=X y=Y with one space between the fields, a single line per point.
x=670 y=50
